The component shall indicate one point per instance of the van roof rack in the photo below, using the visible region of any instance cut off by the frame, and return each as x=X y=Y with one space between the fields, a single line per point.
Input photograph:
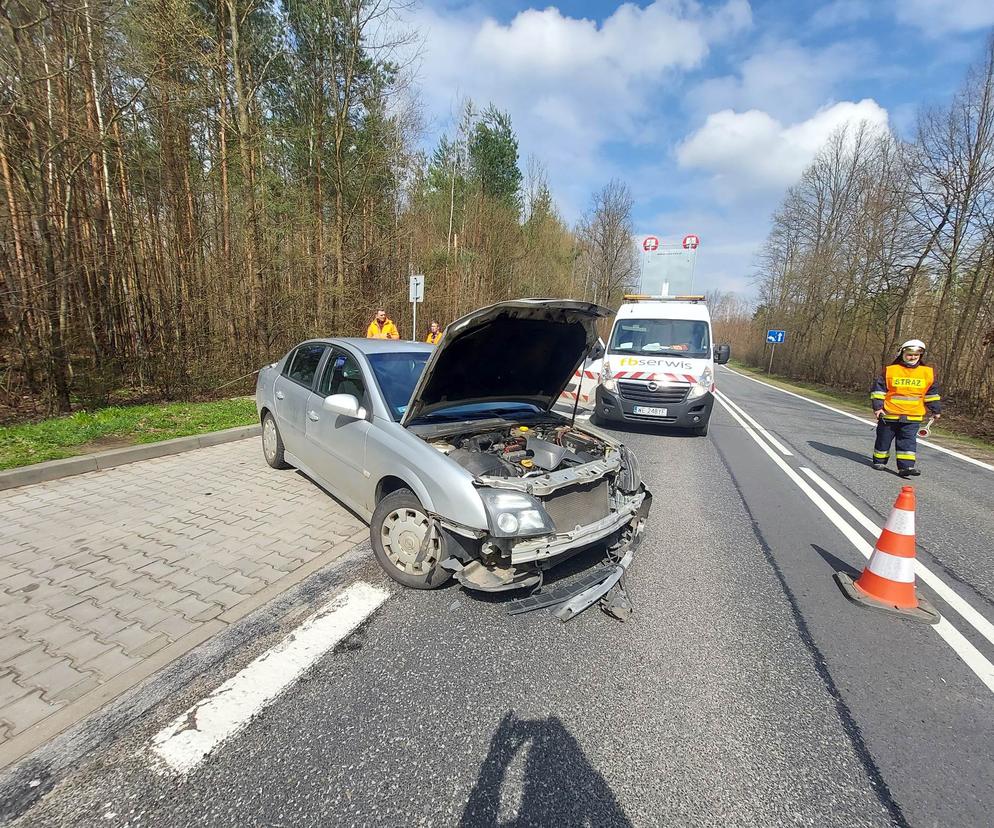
x=638 y=297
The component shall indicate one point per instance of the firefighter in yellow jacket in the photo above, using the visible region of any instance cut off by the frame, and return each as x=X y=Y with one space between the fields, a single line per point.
x=901 y=397
x=381 y=327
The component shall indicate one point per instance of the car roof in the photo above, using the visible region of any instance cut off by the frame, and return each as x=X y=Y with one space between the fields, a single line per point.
x=664 y=310
x=379 y=346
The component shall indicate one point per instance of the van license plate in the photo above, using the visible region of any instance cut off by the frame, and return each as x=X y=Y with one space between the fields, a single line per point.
x=650 y=412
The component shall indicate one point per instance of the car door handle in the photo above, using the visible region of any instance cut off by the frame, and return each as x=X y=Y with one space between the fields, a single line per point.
x=279 y=395
x=313 y=416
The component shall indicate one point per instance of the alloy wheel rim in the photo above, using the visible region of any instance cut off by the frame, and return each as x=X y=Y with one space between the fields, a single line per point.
x=402 y=533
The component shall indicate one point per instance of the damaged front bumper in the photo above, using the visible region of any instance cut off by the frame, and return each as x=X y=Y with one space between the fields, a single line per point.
x=605 y=579
x=603 y=583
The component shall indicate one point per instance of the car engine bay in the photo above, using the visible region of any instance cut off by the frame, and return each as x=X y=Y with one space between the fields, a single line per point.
x=522 y=451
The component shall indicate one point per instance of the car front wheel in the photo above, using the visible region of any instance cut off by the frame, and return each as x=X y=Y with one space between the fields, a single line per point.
x=272 y=443
x=399 y=533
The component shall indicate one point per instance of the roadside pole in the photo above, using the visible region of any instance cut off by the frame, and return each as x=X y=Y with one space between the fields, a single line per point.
x=417 y=294
x=773 y=336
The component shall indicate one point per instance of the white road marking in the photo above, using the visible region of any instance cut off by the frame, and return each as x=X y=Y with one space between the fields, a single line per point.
x=863 y=420
x=970 y=655
x=773 y=440
x=190 y=738
x=947 y=593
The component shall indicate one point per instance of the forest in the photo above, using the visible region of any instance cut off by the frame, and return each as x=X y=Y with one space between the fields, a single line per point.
x=883 y=240
x=191 y=187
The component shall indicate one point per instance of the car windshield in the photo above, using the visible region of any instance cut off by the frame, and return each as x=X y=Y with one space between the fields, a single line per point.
x=480 y=411
x=397 y=374
x=661 y=337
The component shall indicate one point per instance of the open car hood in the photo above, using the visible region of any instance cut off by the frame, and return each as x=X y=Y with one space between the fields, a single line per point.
x=520 y=351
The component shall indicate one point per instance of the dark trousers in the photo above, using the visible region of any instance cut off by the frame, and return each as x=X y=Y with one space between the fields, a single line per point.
x=906 y=435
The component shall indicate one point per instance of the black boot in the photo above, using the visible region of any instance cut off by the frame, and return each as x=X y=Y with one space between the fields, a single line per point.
x=876 y=464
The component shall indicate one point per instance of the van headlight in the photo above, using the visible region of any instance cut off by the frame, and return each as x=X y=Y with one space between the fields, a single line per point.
x=702 y=386
x=515 y=514
x=607 y=379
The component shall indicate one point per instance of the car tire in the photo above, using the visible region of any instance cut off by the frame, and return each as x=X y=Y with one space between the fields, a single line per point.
x=396 y=531
x=272 y=443
x=701 y=431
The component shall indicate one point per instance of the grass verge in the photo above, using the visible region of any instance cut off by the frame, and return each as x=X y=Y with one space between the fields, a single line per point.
x=117 y=426
x=859 y=404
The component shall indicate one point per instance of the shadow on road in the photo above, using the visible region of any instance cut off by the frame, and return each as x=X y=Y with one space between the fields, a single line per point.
x=559 y=786
x=837 y=564
x=857 y=457
x=835 y=451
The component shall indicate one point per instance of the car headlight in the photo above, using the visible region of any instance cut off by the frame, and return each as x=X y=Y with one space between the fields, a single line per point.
x=515 y=514
x=702 y=386
x=607 y=379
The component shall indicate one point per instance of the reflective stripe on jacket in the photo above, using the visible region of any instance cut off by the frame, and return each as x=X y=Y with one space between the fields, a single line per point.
x=906 y=393
x=388 y=331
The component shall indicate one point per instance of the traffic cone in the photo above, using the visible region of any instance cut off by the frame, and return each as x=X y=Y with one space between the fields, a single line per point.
x=888 y=581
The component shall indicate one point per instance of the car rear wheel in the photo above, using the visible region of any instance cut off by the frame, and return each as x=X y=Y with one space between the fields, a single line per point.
x=272 y=443
x=398 y=533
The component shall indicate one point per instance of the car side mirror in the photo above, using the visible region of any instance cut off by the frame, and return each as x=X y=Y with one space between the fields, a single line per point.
x=344 y=404
x=722 y=353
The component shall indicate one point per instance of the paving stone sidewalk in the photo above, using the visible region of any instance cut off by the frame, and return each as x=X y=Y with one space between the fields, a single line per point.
x=107 y=576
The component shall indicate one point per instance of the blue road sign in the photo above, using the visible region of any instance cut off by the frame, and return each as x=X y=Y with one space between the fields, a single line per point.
x=776 y=336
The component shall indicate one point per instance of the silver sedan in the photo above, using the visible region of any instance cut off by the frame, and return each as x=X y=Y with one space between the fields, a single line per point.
x=453 y=453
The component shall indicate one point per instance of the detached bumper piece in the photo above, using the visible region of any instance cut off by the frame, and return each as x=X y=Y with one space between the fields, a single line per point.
x=572 y=599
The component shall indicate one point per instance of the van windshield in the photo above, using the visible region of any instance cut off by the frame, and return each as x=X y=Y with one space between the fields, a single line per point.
x=661 y=337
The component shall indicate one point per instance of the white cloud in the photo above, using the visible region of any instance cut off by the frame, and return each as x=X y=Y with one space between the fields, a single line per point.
x=752 y=152
x=570 y=85
x=841 y=13
x=942 y=16
x=783 y=78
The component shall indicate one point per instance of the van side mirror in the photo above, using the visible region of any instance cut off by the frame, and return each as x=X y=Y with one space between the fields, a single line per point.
x=722 y=353
x=597 y=352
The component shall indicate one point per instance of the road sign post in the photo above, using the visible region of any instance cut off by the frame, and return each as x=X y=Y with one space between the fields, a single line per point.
x=417 y=294
x=773 y=337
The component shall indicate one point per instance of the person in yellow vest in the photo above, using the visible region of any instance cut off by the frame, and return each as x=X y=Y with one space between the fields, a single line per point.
x=901 y=396
x=381 y=327
x=434 y=334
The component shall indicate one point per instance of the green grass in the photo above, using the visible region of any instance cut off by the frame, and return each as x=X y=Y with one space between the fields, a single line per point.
x=857 y=403
x=21 y=445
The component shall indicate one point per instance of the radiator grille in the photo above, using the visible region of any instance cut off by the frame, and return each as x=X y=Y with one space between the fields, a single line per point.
x=639 y=392
x=579 y=505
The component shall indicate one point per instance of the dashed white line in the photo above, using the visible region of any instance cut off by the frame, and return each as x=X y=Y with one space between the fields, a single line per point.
x=970 y=655
x=191 y=737
x=863 y=420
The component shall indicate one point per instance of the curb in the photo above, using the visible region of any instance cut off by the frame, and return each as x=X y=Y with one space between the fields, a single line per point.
x=56 y=469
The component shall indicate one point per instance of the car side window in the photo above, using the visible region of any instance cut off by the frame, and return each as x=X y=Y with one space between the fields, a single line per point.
x=304 y=364
x=342 y=375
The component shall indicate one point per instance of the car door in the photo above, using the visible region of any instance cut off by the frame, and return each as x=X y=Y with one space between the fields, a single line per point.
x=291 y=390
x=336 y=443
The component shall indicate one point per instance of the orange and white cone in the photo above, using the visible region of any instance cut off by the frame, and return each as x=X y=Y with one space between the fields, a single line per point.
x=888 y=581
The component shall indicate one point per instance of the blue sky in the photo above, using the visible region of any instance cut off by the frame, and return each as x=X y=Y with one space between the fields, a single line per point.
x=707 y=110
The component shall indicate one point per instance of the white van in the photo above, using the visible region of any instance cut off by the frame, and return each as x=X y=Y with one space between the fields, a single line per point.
x=658 y=366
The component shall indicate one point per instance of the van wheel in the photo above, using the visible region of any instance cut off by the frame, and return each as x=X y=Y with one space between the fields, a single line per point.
x=397 y=533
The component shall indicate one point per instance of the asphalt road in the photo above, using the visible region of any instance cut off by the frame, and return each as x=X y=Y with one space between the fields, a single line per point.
x=745 y=689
